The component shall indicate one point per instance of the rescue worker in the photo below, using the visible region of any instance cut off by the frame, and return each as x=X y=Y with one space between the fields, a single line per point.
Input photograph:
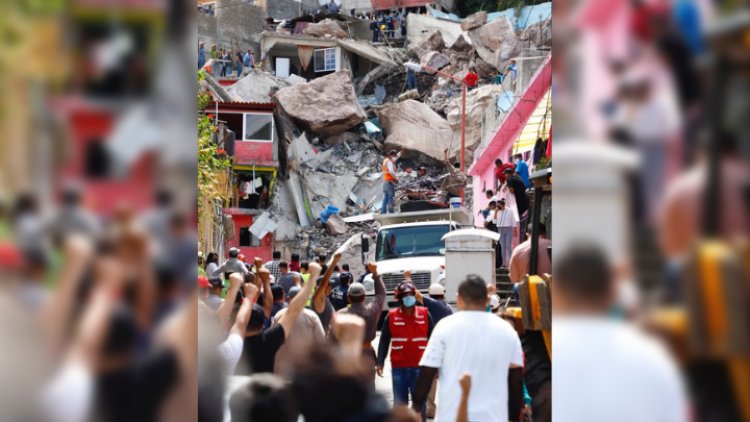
x=406 y=330
x=389 y=181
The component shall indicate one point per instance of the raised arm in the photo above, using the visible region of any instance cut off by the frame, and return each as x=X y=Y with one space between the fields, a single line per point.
x=265 y=277
x=380 y=292
x=77 y=256
x=463 y=406
x=298 y=303
x=319 y=298
x=225 y=309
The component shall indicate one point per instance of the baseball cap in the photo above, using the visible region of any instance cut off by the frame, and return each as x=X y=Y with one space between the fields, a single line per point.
x=356 y=289
x=203 y=282
x=10 y=257
x=233 y=252
x=405 y=288
x=436 y=289
x=393 y=152
x=215 y=282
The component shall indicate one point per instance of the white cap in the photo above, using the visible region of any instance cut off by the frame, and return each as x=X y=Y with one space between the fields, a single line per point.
x=436 y=289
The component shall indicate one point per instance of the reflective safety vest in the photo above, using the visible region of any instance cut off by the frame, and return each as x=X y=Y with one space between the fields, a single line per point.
x=387 y=176
x=408 y=336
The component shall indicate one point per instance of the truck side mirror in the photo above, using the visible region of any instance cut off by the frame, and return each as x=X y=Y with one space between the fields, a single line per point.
x=365 y=244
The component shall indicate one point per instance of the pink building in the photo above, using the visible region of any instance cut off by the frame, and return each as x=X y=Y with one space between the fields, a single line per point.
x=502 y=141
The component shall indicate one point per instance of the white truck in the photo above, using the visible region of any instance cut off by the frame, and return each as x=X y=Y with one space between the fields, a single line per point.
x=412 y=241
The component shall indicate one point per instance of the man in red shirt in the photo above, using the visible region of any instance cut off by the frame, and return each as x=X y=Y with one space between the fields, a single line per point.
x=471 y=79
x=500 y=170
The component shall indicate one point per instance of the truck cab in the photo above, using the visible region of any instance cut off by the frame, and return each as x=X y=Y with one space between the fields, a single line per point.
x=413 y=242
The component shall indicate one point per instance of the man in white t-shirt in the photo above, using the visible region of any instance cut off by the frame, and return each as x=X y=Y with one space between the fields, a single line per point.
x=507 y=227
x=605 y=368
x=480 y=343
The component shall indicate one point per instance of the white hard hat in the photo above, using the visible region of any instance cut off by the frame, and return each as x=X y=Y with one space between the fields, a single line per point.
x=436 y=289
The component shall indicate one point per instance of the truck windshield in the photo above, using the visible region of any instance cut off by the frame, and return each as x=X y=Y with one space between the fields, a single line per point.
x=405 y=242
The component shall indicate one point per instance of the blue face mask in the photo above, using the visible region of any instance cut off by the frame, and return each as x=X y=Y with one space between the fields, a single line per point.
x=409 y=301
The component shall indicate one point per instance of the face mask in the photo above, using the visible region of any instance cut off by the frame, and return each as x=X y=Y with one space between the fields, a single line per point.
x=409 y=301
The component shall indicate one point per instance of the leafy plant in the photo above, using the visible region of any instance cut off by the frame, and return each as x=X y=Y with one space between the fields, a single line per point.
x=212 y=160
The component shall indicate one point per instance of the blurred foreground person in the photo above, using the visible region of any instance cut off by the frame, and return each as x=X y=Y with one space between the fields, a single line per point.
x=485 y=346
x=370 y=312
x=593 y=350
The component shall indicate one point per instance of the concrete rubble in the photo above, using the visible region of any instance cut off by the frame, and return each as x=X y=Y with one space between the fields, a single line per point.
x=415 y=127
x=474 y=21
x=496 y=42
x=327 y=28
x=434 y=60
x=336 y=108
x=334 y=130
x=256 y=87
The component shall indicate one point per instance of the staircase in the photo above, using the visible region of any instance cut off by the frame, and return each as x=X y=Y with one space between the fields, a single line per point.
x=504 y=285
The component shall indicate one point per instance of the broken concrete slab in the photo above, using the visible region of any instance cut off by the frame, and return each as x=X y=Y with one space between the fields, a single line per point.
x=496 y=42
x=538 y=35
x=336 y=108
x=416 y=128
x=262 y=225
x=434 y=60
x=369 y=191
x=381 y=56
x=327 y=28
x=475 y=20
x=295 y=188
x=478 y=101
x=420 y=27
x=336 y=225
x=434 y=42
x=300 y=150
x=361 y=218
x=461 y=44
x=325 y=189
x=256 y=87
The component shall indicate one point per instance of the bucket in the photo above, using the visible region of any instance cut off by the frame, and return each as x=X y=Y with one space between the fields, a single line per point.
x=329 y=211
x=455 y=202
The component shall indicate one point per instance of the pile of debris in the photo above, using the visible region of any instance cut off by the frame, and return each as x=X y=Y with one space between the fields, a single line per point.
x=332 y=181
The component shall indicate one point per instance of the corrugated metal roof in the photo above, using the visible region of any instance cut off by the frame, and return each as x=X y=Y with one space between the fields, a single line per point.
x=536 y=127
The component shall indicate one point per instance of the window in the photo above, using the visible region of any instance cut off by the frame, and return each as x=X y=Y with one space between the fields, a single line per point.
x=325 y=59
x=258 y=127
x=406 y=242
x=247 y=238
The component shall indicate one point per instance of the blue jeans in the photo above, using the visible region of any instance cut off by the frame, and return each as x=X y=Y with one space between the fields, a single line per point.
x=239 y=70
x=404 y=383
x=389 y=193
x=506 y=243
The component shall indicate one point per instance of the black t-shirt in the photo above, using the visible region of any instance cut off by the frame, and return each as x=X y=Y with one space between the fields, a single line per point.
x=259 y=351
x=519 y=191
x=136 y=393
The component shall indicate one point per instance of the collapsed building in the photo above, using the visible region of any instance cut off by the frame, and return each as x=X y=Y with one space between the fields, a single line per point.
x=309 y=127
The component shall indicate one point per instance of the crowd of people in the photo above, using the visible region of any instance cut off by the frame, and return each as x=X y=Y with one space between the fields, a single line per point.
x=106 y=330
x=226 y=61
x=507 y=213
x=301 y=334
